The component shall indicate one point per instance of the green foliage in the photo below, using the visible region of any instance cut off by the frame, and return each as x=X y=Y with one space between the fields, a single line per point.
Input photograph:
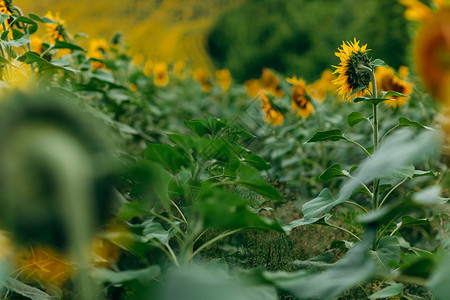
x=296 y=36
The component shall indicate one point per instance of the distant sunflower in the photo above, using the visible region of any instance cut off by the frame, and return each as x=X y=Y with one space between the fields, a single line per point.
x=5 y=7
x=252 y=86
x=56 y=30
x=319 y=89
x=160 y=75
x=300 y=102
x=351 y=76
x=270 y=83
x=388 y=81
x=432 y=54
x=224 y=79
x=271 y=115
x=202 y=77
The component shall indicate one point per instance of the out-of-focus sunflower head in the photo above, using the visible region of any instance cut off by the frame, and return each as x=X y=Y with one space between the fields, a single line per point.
x=418 y=11
x=97 y=50
x=300 y=102
x=201 y=75
x=138 y=59
x=160 y=76
x=387 y=80
x=353 y=76
x=224 y=78
x=432 y=54
x=178 y=68
x=253 y=86
x=270 y=83
x=271 y=115
x=322 y=86
x=55 y=31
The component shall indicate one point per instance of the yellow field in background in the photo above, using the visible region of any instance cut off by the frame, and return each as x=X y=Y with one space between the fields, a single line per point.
x=165 y=30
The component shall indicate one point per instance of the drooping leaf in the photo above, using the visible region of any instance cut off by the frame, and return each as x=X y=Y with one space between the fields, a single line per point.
x=22 y=41
x=354 y=118
x=332 y=172
x=392 y=93
x=306 y=221
x=390 y=291
x=172 y=158
x=250 y=178
x=42 y=20
x=330 y=135
x=320 y=205
x=388 y=252
x=65 y=45
x=256 y=161
x=26 y=290
x=379 y=63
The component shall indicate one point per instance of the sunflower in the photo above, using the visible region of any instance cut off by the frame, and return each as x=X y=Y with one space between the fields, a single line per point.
x=97 y=50
x=432 y=54
x=271 y=115
x=388 y=81
x=300 y=102
x=270 y=83
x=252 y=86
x=45 y=265
x=224 y=79
x=419 y=11
x=202 y=77
x=351 y=69
x=160 y=76
x=178 y=68
x=5 y=8
x=55 y=30
x=148 y=68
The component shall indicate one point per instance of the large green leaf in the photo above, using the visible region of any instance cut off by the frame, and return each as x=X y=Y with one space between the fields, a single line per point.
x=320 y=205
x=354 y=118
x=22 y=41
x=250 y=178
x=388 y=252
x=65 y=45
x=397 y=153
x=333 y=172
x=198 y=126
x=390 y=291
x=439 y=281
x=330 y=135
x=154 y=231
x=348 y=272
x=26 y=291
x=172 y=158
x=306 y=221
x=222 y=209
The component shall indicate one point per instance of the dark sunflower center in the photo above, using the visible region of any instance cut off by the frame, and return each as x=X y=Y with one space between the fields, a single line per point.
x=357 y=78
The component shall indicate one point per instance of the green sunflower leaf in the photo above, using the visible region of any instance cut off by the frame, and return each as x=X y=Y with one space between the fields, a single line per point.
x=333 y=172
x=354 y=118
x=330 y=135
x=379 y=63
x=4 y=17
x=390 y=291
x=403 y=122
x=64 y=45
x=42 y=20
x=393 y=93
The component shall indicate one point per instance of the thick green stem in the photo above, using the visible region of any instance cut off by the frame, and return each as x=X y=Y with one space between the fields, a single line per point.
x=376 y=181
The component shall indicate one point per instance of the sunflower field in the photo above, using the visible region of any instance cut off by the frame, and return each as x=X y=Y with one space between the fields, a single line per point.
x=253 y=149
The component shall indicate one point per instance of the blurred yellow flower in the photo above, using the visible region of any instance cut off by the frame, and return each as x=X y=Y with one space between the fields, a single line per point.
x=224 y=78
x=300 y=103
x=271 y=115
x=97 y=50
x=322 y=86
x=138 y=59
x=387 y=80
x=178 y=68
x=253 y=86
x=148 y=68
x=418 y=11
x=45 y=265
x=432 y=54
x=350 y=79
x=36 y=44
x=55 y=30
x=160 y=76
x=202 y=77
x=270 y=83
